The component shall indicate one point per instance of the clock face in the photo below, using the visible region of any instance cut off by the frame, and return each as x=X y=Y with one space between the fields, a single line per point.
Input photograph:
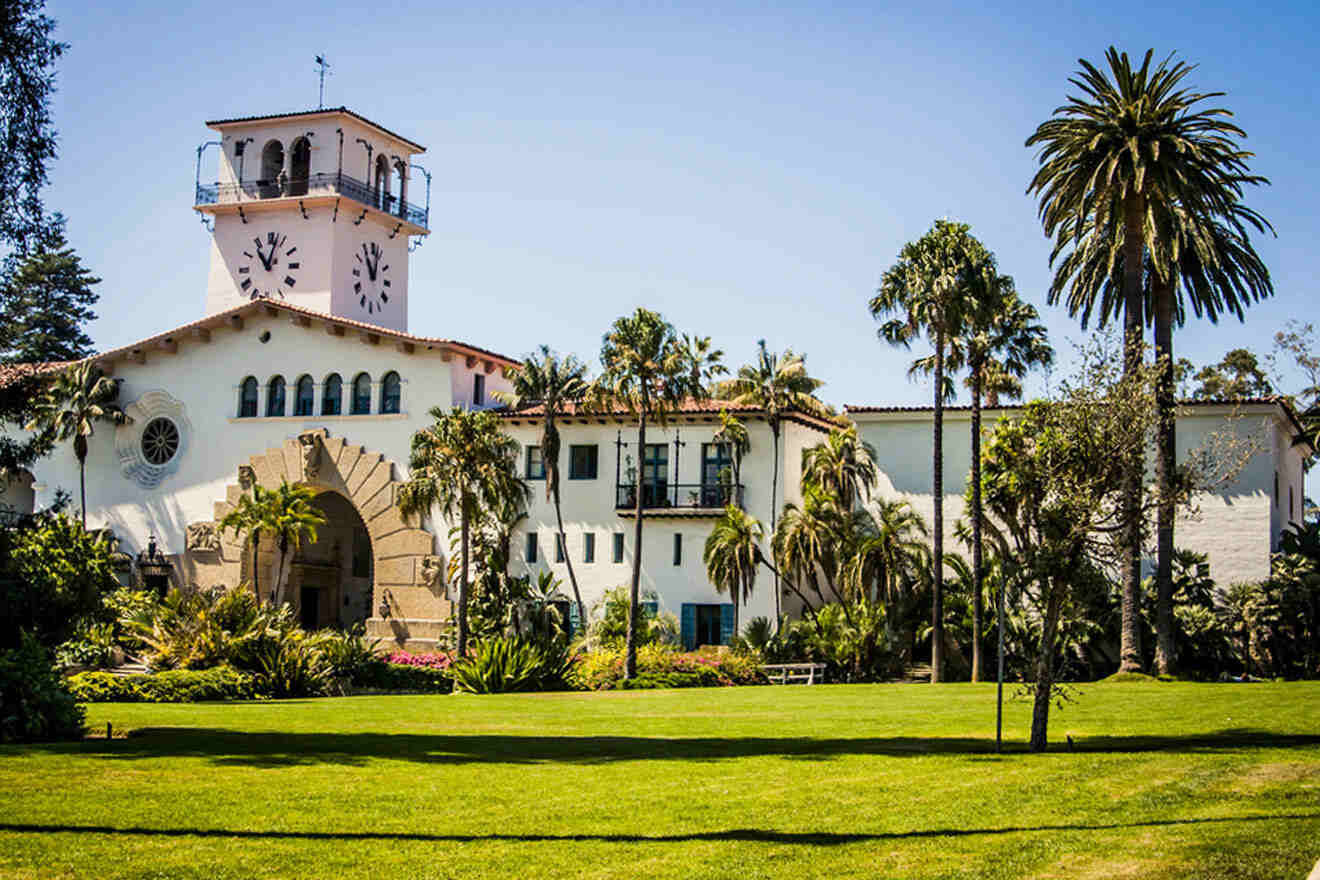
x=270 y=269
x=371 y=282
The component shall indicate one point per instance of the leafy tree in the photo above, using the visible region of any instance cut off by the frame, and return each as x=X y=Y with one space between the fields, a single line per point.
x=17 y=406
x=930 y=289
x=1137 y=179
x=44 y=303
x=464 y=465
x=774 y=384
x=732 y=553
x=650 y=372
x=28 y=52
x=1297 y=347
x=554 y=383
x=70 y=408
x=1238 y=375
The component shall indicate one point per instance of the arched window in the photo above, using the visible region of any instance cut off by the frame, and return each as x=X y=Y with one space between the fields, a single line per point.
x=382 y=185
x=247 y=398
x=401 y=187
x=300 y=166
x=332 y=395
x=390 y=393
x=272 y=166
x=361 y=395
x=305 y=399
x=275 y=397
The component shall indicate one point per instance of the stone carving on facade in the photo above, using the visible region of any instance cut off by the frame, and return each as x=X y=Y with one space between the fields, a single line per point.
x=247 y=477
x=203 y=537
x=154 y=438
x=431 y=572
x=311 y=454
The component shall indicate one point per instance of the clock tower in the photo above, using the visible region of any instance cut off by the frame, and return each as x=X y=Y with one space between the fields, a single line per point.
x=312 y=209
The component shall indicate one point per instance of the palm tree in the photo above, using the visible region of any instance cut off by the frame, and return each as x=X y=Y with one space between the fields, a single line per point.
x=554 y=383
x=1000 y=344
x=732 y=553
x=464 y=465
x=69 y=409
x=895 y=546
x=928 y=288
x=289 y=515
x=774 y=384
x=249 y=516
x=810 y=544
x=1127 y=174
x=842 y=465
x=733 y=434
x=649 y=372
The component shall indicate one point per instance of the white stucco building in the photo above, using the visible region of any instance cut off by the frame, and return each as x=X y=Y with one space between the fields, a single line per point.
x=303 y=367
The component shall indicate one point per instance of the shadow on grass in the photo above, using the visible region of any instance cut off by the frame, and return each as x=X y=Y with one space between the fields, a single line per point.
x=748 y=835
x=240 y=748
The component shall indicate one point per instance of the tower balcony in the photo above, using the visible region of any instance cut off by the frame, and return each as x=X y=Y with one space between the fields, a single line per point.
x=216 y=197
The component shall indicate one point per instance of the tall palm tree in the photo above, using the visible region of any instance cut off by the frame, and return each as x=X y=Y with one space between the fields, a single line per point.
x=774 y=384
x=842 y=465
x=554 y=383
x=289 y=515
x=928 y=288
x=731 y=554
x=465 y=465
x=1002 y=341
x=70 y=408
x=649 y=372
x=1126 y=172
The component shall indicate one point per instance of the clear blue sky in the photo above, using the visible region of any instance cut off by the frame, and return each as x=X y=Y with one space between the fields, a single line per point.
x=748 y=171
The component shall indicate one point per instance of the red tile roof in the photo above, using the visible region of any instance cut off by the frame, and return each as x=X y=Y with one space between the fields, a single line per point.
x=214 y=123
x=691 y=406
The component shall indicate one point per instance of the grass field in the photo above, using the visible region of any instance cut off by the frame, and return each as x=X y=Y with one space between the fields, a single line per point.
x=1165 y=780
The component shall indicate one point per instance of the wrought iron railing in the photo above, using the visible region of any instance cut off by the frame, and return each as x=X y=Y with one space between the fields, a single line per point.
x=315 y=185
x=692 y=496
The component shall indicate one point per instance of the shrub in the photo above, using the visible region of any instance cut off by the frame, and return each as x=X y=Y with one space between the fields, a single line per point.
x=173 y=686
x=288 y=662
x=349 y=656
x=438 y=660
x=658 y=666
x=609 y=622
x=500 y=666
x=35 y=705
x=90 y=646
x=408 y=677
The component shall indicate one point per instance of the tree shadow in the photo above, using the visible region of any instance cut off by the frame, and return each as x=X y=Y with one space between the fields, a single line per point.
x=753 y=835
x=268 y=748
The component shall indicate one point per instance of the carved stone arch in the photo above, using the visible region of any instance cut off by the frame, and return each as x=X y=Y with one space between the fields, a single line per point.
x=403 y=553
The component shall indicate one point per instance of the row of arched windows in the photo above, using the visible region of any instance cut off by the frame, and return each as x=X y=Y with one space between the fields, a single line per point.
x=332 y=396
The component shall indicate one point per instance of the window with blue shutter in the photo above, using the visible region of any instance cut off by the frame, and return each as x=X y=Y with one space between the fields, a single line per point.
x=726 y=624
x=688 y=626
x=574 y=619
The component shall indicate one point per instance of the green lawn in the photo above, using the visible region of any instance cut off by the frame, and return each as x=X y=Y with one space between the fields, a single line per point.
x=1165 y=780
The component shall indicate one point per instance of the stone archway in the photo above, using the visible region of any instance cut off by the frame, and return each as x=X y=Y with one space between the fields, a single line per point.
x=409 y=599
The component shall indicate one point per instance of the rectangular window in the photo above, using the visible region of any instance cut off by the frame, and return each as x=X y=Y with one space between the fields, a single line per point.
x=655 y=475
x=535 y=464
x=716 y=473
x=582 y=462
x=531 y=548
x=589 y=547
x=618 y=547
x=478 y=390
x=705 y=625
x=559 y=547
x=361 y=554
x=678 y=549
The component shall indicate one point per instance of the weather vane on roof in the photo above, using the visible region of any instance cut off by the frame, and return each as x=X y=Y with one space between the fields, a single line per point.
x=322 y=66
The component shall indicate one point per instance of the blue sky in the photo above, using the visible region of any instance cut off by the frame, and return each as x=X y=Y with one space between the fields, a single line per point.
x=749 y=171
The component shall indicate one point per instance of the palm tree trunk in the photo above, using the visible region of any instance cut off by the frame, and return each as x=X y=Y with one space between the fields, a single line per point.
x=279 y=572
x=82 y=489
x=464 y=537
x=774 y=508
x=568 y=558
x=937 y=562
x=256 y=550
x=1165 y=469
x=634 y=597
x=1133 y=330
x=1040 y=711
x=978 y=572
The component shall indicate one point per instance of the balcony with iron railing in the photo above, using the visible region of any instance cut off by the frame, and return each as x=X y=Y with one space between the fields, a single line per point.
x=315 y=185
x=678 y=497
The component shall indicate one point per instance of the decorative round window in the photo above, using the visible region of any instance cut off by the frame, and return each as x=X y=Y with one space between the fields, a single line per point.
x=160 y=441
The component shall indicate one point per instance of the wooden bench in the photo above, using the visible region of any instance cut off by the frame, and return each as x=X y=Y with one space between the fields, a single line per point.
x=787 y=673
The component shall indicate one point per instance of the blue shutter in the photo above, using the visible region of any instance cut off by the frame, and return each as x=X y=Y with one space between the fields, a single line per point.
x=651 y=608
x=726 y=624
x=574 y=619
x=689 y=626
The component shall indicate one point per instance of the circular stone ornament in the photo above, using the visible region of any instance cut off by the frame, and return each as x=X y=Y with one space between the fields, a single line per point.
x=152 y=444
